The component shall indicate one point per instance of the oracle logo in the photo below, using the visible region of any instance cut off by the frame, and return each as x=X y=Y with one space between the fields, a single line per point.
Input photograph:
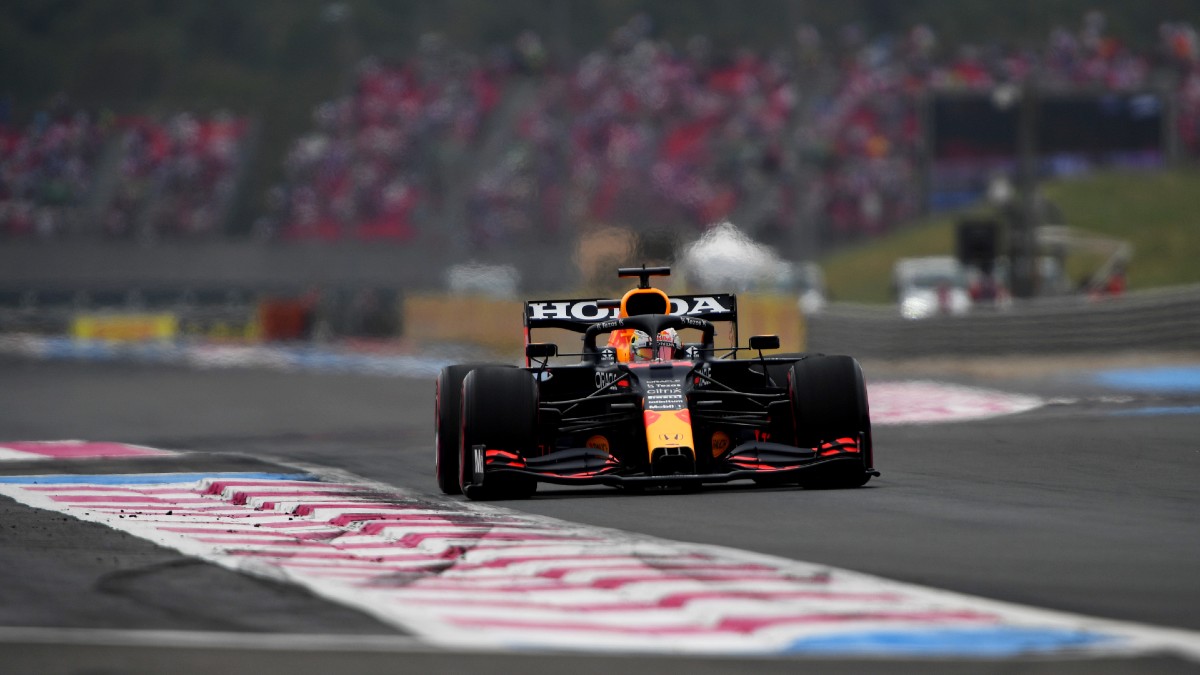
x=604 y=379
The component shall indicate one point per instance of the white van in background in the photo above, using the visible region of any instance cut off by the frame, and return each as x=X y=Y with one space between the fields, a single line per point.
x=931 y=286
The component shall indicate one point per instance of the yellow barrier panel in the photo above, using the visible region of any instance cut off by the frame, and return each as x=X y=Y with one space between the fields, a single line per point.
x=497 y=324
x=125 y=327
x=484 y=322
x=772 y=315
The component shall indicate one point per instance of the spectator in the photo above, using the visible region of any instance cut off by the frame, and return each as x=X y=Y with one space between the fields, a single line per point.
x=380 y=154
x=176 y=177
x=46 y=171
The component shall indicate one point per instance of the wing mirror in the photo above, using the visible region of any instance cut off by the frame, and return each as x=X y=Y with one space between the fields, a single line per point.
x=541 y=350
x=761 y=342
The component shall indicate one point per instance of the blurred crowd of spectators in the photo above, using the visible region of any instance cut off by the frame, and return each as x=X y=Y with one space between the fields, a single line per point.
x=825 y=132
x=47 y=170
x=864 y=132
x=385 y=154
x=1181 y=48
x=175 y=177
x=639 y=132
x=165 y=178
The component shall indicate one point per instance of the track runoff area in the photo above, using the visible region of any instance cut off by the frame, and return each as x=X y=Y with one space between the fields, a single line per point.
x=470 y=576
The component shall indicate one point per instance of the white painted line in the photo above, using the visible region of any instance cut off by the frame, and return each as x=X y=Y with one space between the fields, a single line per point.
x=11 y=455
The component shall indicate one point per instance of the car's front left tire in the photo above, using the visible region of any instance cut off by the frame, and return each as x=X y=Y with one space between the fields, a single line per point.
x=447 y=424
x=499 y=412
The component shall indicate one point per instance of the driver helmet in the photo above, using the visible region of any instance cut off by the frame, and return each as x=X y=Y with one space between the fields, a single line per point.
x=664 y=348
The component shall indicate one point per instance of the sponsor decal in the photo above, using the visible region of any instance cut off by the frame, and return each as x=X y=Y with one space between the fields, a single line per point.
x=698 y=305
x=580 y=310
x=665 y=395
x=692 y=322
x=604 y=378
x=671 y=428
x=720 y=443
x=590 y=311
x=598 y=443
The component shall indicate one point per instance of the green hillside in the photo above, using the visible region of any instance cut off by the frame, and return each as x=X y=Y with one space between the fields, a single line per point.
x=1158 y=213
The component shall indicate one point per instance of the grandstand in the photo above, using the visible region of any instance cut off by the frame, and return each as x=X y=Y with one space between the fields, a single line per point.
x=471 y=152
x=71 y=173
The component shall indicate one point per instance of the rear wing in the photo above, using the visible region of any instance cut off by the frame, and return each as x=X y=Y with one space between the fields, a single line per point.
x=576 y=315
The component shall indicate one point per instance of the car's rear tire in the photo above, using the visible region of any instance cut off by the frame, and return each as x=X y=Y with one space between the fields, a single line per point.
x=447 y=424
x=829 y=401
x=499 y=411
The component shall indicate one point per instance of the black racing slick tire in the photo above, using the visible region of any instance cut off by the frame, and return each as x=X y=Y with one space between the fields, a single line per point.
x=829 y=401
x=447 y=424
x=779 y=371
x=499 y=411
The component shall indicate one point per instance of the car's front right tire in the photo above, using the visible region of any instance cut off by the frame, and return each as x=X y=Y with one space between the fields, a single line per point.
x=829 y=402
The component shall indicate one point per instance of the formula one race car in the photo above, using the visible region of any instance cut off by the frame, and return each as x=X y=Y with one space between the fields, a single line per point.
x=646 y=409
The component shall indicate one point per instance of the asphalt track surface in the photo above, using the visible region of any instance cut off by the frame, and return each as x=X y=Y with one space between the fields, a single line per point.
x=1076 y=506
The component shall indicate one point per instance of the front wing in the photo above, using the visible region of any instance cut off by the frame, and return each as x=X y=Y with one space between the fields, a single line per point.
x=760 y=461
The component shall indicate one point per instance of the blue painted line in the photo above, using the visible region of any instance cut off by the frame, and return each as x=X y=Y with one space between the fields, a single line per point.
x=1177 y=379
x=288 y=358
x=148 y=478
x=1160 y=410
x=980 y=642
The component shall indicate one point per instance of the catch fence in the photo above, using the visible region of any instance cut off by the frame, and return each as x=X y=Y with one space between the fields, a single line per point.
x=1154 y=320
